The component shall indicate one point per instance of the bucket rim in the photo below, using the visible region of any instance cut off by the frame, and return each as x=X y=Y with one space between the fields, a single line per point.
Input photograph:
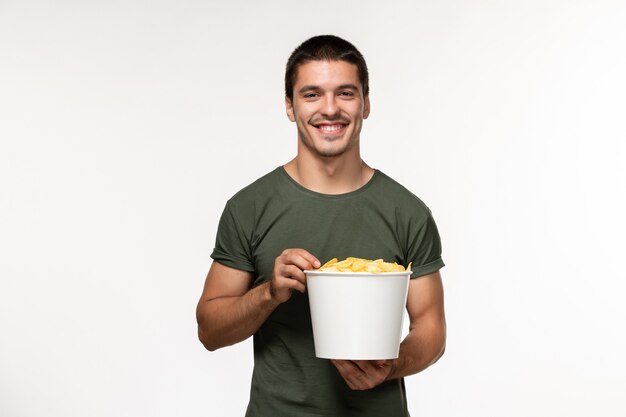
x=369 y=274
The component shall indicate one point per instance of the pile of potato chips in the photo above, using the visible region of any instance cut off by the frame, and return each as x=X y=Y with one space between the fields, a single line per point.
x=361 y=265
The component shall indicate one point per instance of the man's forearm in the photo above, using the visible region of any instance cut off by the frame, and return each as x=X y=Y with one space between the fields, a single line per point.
x=422 y=347
x=225 y=321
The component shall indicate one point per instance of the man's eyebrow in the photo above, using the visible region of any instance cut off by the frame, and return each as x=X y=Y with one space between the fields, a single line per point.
x=306 y=88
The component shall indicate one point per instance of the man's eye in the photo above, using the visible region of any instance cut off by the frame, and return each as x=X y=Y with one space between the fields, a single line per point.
x=310 y=95
x=346 y=93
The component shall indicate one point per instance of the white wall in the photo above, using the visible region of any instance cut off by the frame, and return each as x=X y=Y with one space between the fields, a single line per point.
x=125 y=126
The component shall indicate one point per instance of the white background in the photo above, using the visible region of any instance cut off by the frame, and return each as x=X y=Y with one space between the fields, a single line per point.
x=126 y=125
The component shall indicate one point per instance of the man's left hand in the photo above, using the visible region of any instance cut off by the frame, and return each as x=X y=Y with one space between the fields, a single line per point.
x=363 y=375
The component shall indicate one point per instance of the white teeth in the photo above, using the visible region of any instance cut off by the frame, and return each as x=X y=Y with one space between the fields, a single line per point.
x=332 y=128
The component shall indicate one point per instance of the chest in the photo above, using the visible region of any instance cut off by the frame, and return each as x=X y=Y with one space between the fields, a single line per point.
x=333 y=229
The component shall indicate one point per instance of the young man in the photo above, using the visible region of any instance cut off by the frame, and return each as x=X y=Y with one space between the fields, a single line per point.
x=324 y=203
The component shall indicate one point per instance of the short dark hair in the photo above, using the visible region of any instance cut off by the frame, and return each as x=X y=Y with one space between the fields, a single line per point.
x=325 y=48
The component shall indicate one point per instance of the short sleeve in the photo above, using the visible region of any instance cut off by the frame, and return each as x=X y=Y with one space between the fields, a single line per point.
x=232 y=244
x=425 y=248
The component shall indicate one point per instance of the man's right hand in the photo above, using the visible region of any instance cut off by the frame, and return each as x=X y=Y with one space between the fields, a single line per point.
x=288 y=273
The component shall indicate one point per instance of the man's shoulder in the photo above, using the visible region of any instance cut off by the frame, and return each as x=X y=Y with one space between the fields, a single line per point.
x=398 y=193
x=260 y=187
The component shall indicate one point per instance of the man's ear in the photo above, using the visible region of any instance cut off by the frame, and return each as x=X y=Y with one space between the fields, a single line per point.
x=366 y=107
x=289 y=108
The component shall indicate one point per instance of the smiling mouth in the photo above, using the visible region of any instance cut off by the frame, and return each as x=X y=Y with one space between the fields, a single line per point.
x=331 y=129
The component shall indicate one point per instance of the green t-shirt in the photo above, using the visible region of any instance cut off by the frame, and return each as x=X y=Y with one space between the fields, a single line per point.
x=379 y=220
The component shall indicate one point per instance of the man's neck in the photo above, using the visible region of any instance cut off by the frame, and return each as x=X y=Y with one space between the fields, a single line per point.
x=334 y=175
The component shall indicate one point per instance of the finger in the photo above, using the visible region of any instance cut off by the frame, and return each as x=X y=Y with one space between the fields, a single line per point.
x=364 y=366
x=354 y=376
x=348 y=370
x=296 y=285
x=301 y=258
x=345 y=367
x=293 y=272
x=376 y=368
x=289 y=282
x=312 y=260
x=371 y=372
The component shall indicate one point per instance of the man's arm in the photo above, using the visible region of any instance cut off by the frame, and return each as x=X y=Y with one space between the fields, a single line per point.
x=426 y=340
x=229 y=311
x=422 y=347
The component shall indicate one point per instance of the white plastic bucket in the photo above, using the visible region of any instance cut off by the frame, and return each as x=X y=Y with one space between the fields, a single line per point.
x=357 y=315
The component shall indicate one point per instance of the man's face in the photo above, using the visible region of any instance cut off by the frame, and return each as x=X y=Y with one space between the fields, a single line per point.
x=328 y=106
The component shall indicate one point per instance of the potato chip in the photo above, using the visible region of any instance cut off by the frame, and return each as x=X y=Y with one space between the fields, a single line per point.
x=352 y=264
x=329 y=263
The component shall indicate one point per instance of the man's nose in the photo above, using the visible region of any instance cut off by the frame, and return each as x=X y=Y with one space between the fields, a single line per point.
x=329 y=106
